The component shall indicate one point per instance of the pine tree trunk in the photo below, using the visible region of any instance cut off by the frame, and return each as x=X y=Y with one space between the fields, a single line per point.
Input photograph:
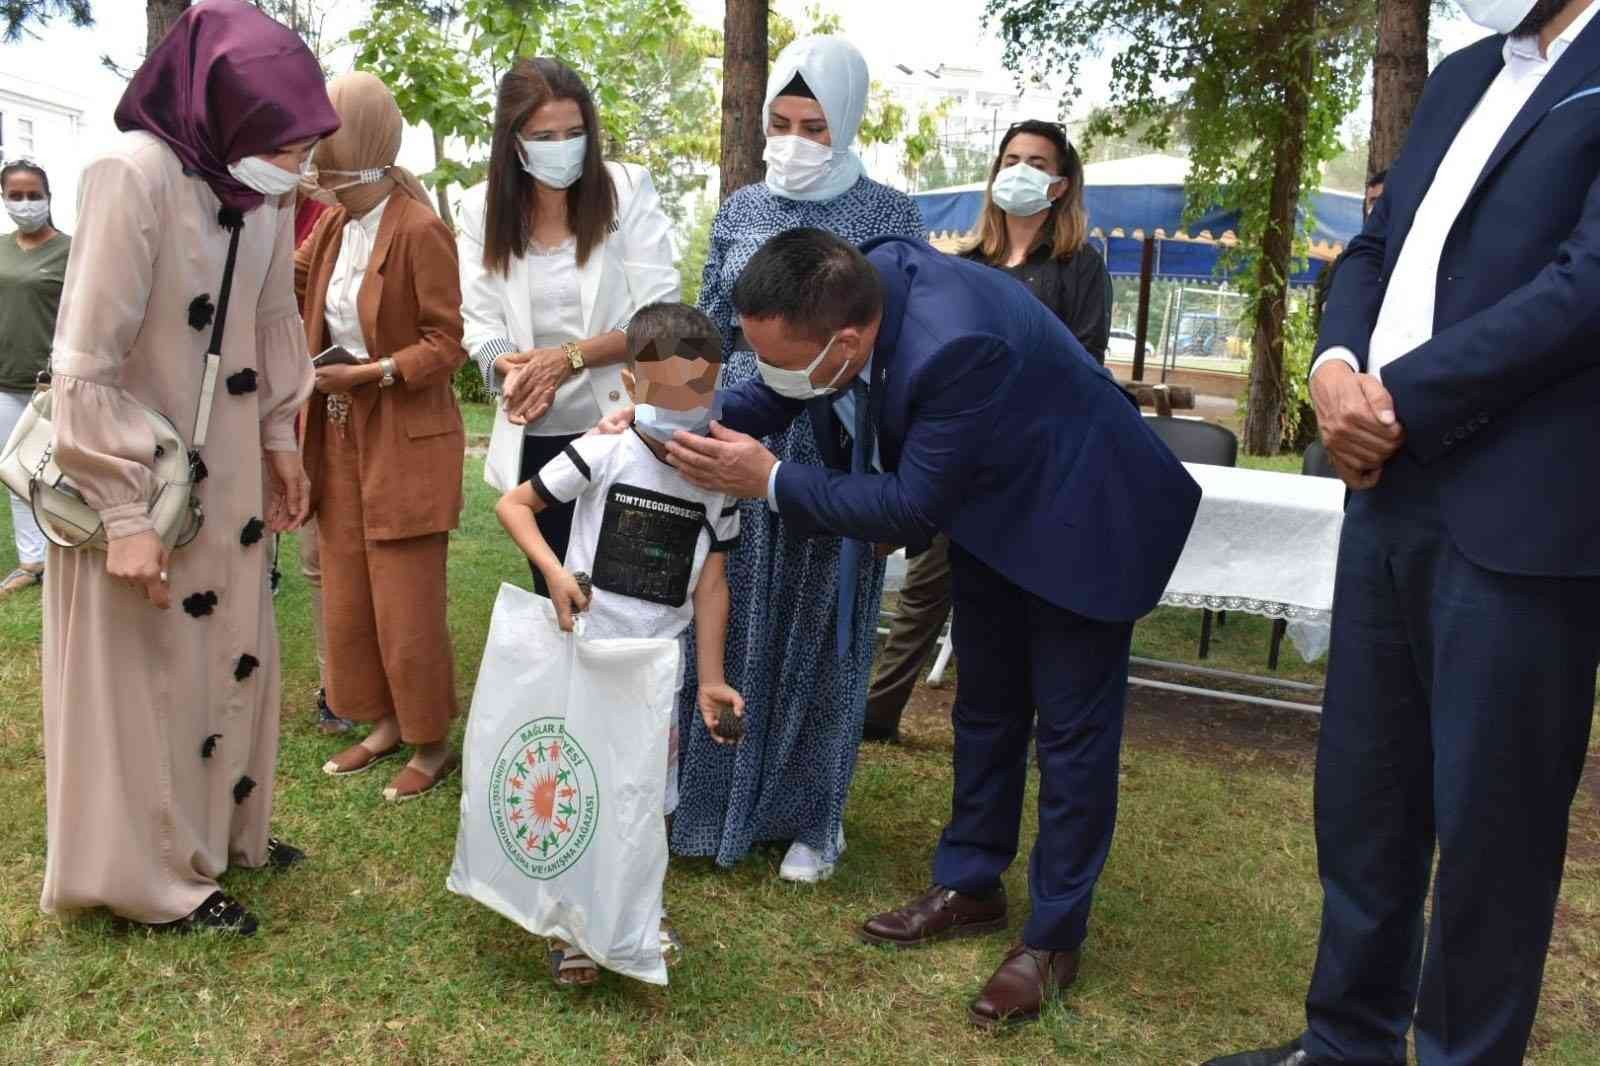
x=1399 y=70
x=159 y=16
x=744 y=89
x=1263 y=427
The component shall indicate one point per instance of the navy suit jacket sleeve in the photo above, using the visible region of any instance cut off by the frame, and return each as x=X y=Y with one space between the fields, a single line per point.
x=1490 y=362
x=1357 y=294
x=955 y=416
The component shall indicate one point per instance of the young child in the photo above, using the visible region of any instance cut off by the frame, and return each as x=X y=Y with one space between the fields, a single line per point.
x=655 y=546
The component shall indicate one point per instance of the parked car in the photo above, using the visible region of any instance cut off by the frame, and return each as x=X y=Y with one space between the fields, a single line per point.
x=1122 y=344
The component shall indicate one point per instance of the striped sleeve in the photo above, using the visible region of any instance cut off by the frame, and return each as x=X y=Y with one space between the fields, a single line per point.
x=487 y=353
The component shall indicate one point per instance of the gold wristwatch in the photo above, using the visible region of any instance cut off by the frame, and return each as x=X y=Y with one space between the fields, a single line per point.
x=574 y=355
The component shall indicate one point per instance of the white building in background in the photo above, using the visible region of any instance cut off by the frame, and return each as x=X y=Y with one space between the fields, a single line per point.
x=980 y=104
x=45 y=125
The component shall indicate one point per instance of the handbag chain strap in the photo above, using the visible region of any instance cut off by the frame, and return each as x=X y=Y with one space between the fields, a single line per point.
x=208 y=383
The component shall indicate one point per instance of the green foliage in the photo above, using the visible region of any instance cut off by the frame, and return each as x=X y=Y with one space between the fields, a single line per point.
x=1299 y=344
x=18 y=13
x=469 y=385
x=696 y=247
x=645 y=61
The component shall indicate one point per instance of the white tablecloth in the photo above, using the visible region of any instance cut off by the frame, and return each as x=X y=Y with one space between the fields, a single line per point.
x=1264 y=543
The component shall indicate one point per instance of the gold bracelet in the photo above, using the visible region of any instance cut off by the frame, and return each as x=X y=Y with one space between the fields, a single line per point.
x=574 y=355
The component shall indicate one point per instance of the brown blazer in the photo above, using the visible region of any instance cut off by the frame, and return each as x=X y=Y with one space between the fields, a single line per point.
x=411 y=437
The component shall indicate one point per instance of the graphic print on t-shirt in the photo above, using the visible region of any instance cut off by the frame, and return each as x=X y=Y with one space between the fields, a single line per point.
x=647 y=545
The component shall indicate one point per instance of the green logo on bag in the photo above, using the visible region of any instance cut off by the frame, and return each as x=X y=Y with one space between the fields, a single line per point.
x=544 y=799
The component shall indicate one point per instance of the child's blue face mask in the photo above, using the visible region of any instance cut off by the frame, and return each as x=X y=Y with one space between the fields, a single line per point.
x=661 y=423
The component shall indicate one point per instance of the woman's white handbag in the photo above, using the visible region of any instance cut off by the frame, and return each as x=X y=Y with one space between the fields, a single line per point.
x=28 y=467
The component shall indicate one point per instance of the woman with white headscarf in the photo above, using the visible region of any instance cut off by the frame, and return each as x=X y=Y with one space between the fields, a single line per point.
x=789 y=779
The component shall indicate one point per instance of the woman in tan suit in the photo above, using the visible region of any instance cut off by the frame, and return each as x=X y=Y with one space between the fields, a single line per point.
x=383 y=440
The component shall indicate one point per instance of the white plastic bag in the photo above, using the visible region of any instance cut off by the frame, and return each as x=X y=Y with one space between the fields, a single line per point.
x=565 y=771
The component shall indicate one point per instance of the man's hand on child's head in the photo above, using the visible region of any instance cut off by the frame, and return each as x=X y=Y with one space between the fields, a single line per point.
x=722 y=709
x=568 y=597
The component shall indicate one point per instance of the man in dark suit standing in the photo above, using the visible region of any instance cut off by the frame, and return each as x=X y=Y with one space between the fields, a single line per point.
x=1456 y=395
x=958 y=404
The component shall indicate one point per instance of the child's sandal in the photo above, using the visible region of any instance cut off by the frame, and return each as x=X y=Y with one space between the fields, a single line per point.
x=671 y=945
x=571 y=968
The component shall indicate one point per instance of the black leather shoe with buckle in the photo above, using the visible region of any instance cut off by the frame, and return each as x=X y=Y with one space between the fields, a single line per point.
x=938 y=914
x=281 y=856
x=220 y=912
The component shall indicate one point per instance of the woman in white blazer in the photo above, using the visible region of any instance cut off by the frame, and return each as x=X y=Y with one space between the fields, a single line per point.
x=558 y=249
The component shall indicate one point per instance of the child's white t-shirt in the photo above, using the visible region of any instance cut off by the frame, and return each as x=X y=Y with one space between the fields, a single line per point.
x=640 y=530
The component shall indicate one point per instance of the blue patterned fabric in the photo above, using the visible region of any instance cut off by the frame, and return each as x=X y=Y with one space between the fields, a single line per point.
x=789 y=778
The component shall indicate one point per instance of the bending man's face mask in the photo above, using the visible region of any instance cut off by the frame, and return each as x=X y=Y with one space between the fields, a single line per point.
x=674 y=386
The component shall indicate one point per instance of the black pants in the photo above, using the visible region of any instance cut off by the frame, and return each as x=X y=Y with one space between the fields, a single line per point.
x=1457 y=718
x=555 y=523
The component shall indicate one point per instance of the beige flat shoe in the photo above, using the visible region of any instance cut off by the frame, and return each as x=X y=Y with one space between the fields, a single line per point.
x=357 y=760
x=411 y=783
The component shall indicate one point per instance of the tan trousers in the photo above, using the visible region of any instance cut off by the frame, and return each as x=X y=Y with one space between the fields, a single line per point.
x=311 y=570
x=384 y=609
x=924 y=606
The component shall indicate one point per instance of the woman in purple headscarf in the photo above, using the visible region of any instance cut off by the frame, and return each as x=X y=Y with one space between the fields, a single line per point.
x=161 y=669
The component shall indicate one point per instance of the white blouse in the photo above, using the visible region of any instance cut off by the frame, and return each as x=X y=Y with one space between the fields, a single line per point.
x=557 y=307
x=344 y=285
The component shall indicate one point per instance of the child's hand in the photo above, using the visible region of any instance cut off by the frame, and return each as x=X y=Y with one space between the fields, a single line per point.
x=722 y=709
x=568 y=597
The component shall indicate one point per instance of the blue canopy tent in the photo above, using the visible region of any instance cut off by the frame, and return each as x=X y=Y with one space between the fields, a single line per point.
x=1131 y=199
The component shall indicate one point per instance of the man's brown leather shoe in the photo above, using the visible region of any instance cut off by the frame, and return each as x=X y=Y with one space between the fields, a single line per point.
x=938 y=914
x=1024 y=983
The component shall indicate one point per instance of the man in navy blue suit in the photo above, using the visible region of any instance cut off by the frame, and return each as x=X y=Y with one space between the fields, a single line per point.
x=1456 y=395
x=947 y=399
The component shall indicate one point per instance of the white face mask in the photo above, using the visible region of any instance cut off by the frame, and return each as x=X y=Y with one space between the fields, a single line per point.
x=796 y=384
x=266 y=178
x=370 y=176
x=558 y=164
x=31 y=216
x=1022 y=191
x=661 y=422
x=1501 y=16
x=797 y=167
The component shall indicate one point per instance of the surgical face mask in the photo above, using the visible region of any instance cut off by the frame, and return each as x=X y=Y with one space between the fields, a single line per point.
x=796 y=384
x=1501 y=16
x=357 y=178
x=558 y=164
x=31 y=216
x=797 y=166
x=661 y=422
x=1022 y=191
x=266 y=178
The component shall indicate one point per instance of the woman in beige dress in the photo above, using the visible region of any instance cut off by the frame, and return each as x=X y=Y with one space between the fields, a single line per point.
x=161 y=680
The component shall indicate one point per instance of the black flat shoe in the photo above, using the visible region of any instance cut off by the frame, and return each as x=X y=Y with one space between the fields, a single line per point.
x=1288 y=1055
x=281 y=856
x=877 y=733
x=220 y=912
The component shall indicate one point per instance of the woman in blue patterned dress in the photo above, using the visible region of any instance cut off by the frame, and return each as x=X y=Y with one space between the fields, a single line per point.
x=788 y=780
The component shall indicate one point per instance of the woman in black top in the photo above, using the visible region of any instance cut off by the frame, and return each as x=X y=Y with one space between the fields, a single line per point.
x=1035 y=228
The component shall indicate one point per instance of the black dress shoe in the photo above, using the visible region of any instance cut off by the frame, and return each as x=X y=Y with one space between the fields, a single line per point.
x=1289 y=1055
x=878 y=733
x=221 y=913
x=281 y=856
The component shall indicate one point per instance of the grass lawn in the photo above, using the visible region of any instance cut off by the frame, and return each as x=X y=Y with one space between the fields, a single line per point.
x=1203 y=934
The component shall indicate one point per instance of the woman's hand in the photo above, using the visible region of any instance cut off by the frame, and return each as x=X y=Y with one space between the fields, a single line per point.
x=531 y=389
x=288 y=492
x=505 y=364
x=332 y=380
x=714 y=698
x=140 y=561
x=568 y=597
